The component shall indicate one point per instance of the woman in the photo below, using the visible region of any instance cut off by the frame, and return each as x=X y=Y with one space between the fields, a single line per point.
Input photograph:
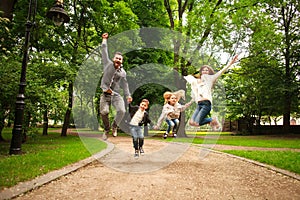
x=202 y=94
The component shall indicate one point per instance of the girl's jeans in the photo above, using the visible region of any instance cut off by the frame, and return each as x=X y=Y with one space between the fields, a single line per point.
x=172 y=124
x=201 y=112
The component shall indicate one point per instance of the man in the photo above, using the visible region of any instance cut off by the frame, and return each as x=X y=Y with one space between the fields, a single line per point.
x=114 y=77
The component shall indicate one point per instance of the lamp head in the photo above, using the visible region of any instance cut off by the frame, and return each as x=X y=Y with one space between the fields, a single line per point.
x=57 y=14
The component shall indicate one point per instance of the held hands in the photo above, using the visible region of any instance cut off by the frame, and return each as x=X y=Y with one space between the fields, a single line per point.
x=190 y=102
x=155 y=127
x=104 y=35
x=129 y=99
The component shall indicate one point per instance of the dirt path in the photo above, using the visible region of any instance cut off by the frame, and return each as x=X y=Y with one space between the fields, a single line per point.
x=168 y=171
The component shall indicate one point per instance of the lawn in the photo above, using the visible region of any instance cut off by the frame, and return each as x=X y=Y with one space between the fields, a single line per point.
x=226 y=138
x=43 y=154
x=287 y=160
x=253 y=141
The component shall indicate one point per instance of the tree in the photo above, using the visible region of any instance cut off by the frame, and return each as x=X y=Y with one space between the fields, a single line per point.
x=269 y=76
x=9 y=57
x=285 y=15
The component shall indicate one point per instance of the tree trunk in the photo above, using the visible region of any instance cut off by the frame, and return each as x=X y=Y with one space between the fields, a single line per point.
x=95 y=123
x=68 y=112
x=1 y=128
x=45 y=122
x=27 y=125
x=181 y=127
x=81 y=120
x=286 y=114
x=9 y=123
x=7 y=6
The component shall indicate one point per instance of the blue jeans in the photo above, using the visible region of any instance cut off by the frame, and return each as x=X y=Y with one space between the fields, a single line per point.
x=201 y=112
x=136 y=132
x=172 y=124
x=137 y=136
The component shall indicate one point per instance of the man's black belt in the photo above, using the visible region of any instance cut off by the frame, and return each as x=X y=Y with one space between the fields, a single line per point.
x=106 y=93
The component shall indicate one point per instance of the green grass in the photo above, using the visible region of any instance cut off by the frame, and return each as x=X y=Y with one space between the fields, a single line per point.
x=287 y=160
x=226 y=138
x=253 y=141
x=43 y=154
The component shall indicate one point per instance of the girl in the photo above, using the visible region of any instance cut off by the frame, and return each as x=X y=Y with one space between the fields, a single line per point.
x=171 y=111
x=202 y=94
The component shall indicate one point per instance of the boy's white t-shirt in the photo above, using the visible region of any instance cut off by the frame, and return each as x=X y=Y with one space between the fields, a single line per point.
x=137 y=117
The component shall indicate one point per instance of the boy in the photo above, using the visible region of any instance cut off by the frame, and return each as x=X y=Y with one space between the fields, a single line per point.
x=139 y=117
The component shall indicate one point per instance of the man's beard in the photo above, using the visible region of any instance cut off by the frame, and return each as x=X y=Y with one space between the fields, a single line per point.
x=117 y=64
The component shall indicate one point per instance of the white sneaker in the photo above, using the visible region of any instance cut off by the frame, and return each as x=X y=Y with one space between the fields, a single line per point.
x=165 y=135
x=104 y=135
x=215 y=124
x=174 y=135
x=142 y=151
x=115 y=132
x=136 y=154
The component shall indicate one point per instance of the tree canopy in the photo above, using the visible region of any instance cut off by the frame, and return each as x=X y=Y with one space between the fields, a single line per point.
x=264 y=84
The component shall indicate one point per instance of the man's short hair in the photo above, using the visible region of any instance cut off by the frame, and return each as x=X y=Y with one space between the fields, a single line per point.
x=119 y=53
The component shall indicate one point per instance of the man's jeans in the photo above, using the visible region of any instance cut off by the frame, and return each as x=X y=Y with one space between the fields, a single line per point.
x=117 y=102
x=201 y=112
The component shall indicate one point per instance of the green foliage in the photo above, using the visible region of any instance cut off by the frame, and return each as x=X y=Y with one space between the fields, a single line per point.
x=268 y=77
x=254 y=82
x=112 y=17
x=149 y=13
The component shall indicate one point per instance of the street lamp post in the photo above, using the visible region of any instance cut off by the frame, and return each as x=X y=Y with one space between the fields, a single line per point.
x=58 y=15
